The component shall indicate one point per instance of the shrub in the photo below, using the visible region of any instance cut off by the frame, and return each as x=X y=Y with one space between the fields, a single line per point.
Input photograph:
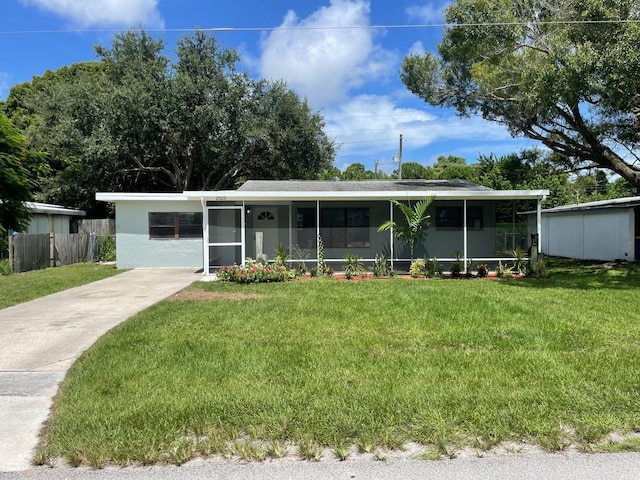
x=504 y=270
x=482 y=269
x=106 y=249
x=282 y=256
x=539 y=269
x=519 y=261
x=353 y=266
x=456 y=266
x=381 y=266
x=418 y=268
x=433 y=268
x=254 y=272
x=5 y=268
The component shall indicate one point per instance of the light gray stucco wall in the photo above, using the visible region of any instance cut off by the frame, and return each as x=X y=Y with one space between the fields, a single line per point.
x=134 y=248
x=588 y=235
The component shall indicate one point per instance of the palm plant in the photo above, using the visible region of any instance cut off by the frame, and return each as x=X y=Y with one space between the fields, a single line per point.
x=416 y=226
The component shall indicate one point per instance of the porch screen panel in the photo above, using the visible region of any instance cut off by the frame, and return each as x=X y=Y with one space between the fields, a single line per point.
x=221 y=255
x=345 y=227
x=306 y=227
x=225 y=226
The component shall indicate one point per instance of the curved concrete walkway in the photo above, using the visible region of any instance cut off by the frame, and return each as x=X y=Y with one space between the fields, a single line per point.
x=40 y=339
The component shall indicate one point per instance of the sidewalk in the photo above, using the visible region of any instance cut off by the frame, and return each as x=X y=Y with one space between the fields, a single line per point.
x=40 y=340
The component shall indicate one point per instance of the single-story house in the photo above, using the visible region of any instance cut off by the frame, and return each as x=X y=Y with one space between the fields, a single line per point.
x=210 y=229
x=48 y=218
x=602 y=230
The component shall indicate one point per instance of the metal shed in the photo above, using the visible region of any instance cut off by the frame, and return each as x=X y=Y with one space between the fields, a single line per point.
x=602 y=230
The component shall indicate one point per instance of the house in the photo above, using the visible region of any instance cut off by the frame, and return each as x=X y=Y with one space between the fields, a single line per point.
x=209 y=229
x=49 y=218
x=602 y=230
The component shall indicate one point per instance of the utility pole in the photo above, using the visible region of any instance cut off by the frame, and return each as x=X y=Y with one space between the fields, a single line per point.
x=375 y=168
x=400 y=160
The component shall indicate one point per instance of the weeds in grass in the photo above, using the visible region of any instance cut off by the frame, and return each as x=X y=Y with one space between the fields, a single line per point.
x=248 y=450
x=379 y=456
x=429 y=453
x=278 y=449
x=366 y=445
x=309 y=450
x=342 y=451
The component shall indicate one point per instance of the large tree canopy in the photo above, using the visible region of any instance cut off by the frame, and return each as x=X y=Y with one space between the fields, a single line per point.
x=19 y=167
x=140 y=120
x=563 y=72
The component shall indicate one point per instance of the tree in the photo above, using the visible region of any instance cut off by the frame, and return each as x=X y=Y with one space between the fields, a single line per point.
x=357 y=171
x=413 y=170
x=417 y=221
x=144 y=121
x=18 y=168
x=562 y=72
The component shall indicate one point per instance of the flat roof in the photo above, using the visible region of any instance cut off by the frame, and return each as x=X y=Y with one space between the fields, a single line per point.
x=48 y=208
x=329 y=190
x=624 y=202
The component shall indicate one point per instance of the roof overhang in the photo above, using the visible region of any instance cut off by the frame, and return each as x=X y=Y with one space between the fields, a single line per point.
x=139 y=197
x=279 y=196
x=49 y=209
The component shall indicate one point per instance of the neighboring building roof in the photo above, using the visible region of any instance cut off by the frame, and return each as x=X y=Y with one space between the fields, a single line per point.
x=357 y=185
x=335 y=190
x=624 y=202
x=47 y=208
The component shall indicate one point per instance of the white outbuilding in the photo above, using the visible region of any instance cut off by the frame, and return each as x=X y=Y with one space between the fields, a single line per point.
x=602 y=230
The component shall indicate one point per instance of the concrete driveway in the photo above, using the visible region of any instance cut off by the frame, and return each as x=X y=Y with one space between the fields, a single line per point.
x=40 y=339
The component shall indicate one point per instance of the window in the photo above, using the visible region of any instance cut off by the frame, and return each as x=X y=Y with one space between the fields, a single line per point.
x=451 y=218
x=344 y=227
x=266 y=215
x=175 y=225
x=339 y=227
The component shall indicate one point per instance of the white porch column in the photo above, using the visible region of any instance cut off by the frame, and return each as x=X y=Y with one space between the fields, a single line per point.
x=317 y=231
x=391 y=232
x=290 y=230
x=539 y=224
x=205 y=236
x=243 y=233
x=464 y=230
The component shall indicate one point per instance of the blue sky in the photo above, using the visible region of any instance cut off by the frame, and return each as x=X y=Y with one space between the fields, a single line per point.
x=349 y=73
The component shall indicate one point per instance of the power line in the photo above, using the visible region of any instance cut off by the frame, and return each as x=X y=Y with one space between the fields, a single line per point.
x=330 y=27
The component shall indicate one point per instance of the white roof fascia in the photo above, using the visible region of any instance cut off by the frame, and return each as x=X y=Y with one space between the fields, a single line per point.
x=141 y=197
x=47 y=208
x=233 y=195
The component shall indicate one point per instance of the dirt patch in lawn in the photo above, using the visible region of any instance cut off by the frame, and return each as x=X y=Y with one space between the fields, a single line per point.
x=202 y=295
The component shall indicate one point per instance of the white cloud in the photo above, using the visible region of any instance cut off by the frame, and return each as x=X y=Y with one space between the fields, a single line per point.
x=417 y=48
x=371 y=125
x=85 y=13
x=427 y=13
x=325 y=63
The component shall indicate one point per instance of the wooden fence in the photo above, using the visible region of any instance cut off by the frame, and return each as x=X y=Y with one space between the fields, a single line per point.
x=99 y=226
x=37 y=251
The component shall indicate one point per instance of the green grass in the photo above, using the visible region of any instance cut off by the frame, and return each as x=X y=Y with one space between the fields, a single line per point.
x=324 y=364
x=21 y=287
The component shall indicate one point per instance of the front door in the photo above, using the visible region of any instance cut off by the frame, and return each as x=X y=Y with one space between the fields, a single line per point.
x=265 y=227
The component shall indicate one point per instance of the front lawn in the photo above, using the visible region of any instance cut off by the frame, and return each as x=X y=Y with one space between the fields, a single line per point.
x=250 y=370
x=22 y=287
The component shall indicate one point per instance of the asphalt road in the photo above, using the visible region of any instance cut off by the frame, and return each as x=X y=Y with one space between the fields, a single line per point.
x=574 y=466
